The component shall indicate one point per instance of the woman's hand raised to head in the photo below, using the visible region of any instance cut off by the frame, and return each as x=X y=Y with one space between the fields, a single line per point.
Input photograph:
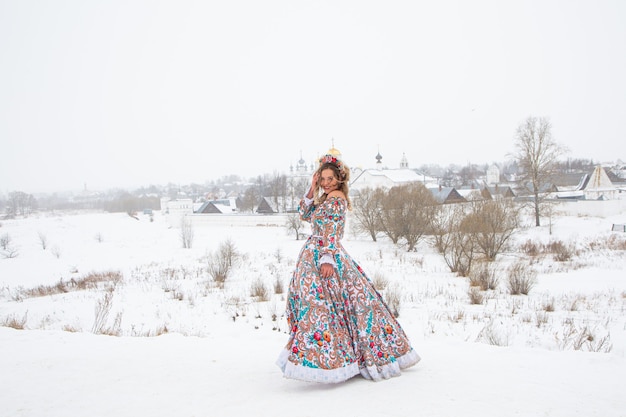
x=314 y=182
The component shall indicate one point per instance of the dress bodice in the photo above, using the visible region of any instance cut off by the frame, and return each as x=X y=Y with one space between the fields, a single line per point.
x=327 y=220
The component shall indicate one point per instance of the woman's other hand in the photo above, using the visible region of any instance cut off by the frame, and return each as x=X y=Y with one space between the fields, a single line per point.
x=327 y=270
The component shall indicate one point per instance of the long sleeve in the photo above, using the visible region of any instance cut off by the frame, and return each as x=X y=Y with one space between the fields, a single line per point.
x=306 y=208
x=331 y=222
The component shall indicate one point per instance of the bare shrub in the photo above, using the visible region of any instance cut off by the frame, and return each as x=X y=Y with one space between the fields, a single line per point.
x=10 y=252
x=548 y=305
x=521 y=278
x=158 y=331
x=530 y=248
x=476 y=296
x=293 y=222
x=483 y=275
x=491 y=223
x=90 y=281
x=492 y=335
x=407 y=213
x=393 y=300
x=71 y=329
x=457 y=317
x=186 y=232
x=221 y=262
x=43 y=240
x=56 y=251
x=615 y=242
x=99 y=238
x=218 y=269
x=610 y=242
x=93 y=279
x=541 y=318
x=457 y=247
x=417 y=261
x=561 y=252
x=367 y=208
x=7 y=250
x=259 y=290
x=583 y=338
x=102 y=311
x=586 y=339
x=380 y=281
x=177 y=295
x=228 y=251
x=236 y=307
x=278 y=255
x=5 y=240
x=15 y=322
x=279 y=288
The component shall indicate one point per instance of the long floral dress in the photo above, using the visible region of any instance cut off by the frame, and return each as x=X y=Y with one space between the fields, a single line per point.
x=339 y=326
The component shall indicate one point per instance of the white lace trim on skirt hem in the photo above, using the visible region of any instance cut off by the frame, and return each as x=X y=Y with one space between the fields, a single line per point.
x=391 y=369
x=305 y=373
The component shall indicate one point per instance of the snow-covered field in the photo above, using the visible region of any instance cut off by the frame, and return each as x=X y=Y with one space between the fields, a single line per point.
x=183 y=345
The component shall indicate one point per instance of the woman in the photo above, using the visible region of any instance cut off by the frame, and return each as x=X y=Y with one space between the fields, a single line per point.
x=340 y=325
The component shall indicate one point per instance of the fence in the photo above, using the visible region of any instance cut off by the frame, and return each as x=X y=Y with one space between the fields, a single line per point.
x=593 y=208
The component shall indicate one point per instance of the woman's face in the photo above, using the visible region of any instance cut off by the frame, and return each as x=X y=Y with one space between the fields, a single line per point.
x=328 y=181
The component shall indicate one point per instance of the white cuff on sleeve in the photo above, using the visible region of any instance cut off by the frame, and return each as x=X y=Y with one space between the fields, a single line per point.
x=327 y=258
x=307 y=201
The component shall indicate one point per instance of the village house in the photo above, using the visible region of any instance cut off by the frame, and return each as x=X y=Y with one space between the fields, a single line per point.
x=585 y=186
x=446 y=195
x=380 y=177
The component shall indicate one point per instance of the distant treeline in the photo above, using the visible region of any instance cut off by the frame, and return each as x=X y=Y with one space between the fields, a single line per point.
x=22 y=204
x=129 y=203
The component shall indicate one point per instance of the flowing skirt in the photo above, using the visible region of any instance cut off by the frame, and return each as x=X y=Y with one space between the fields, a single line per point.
x=340 y=326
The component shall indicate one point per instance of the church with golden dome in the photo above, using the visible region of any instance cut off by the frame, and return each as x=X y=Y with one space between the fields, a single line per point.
x=334 y=151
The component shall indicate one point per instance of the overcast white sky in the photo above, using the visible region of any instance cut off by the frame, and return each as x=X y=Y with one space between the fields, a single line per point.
x=127 y=93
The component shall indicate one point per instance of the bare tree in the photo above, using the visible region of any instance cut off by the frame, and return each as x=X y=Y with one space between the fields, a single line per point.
x=250 y=199
x=550 y=210
x=297 y=186
x=419 y=211
x=278 y=190
x=407 y=212
x=294 y=223
x=537 y=153
x=391 y=214
x=456 y=246
x=366 y=210
x=21 y=203
x=491 y=224
x=186 y=232
x=5 y=241
x=43 y=239
x=221 y=262
x=228 y=250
